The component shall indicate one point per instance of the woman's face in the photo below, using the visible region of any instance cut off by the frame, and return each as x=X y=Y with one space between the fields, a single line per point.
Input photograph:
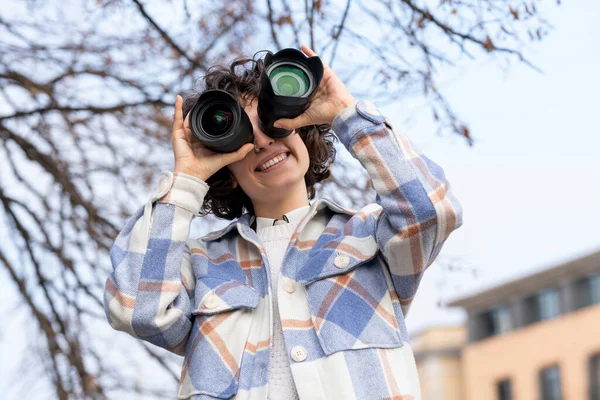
x=265 y=183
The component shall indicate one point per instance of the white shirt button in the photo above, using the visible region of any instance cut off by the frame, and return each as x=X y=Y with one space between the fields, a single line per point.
x=288 y=285
x=341 y=261
x=298 y=353
x=164 y=185
x=211 y=301
x=370 y=108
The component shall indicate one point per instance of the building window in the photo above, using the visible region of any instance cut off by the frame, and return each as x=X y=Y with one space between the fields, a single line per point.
x=496 y=321
x=550 y=383
x=504 y=390
x=594 y=368
x=588 y=291
x=544 y=305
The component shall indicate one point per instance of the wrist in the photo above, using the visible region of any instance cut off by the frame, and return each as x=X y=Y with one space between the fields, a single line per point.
x=348 y=102
x=191 y=172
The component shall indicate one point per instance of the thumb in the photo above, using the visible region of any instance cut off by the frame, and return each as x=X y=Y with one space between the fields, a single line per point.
x=237 y=155
x=291 y=124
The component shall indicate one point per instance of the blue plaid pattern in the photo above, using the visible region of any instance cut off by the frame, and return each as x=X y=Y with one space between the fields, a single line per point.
x=354 y=275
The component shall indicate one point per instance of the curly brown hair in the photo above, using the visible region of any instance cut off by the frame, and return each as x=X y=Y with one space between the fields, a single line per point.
x=241 y=79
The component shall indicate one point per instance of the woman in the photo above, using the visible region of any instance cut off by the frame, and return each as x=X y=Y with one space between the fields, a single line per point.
x=293 y=299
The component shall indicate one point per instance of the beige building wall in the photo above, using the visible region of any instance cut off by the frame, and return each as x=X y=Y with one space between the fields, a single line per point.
x=437 y=353
x=568 y=341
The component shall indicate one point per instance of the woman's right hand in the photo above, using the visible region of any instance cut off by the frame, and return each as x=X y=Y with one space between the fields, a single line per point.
x=191 y=156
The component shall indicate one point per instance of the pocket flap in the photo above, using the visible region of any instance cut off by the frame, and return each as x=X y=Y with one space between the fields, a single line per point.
x=215 y=295
x=339 y=256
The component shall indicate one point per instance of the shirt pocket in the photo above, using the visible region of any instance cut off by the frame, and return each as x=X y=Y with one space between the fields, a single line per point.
x=348 y=296
x=223 y=312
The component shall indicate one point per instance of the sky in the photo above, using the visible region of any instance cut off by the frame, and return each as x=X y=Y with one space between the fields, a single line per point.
x=529 y=185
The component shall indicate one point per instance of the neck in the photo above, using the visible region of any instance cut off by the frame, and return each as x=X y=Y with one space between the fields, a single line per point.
x=275 y=207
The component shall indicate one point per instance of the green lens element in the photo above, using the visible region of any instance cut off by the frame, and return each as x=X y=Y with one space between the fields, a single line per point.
x=289 y=80
x=217 y=119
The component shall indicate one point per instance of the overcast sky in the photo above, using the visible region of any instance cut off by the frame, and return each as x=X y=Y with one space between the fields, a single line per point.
x=530 y=184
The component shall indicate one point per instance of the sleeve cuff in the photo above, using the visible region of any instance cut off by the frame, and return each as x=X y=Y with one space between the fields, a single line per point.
x=352 y=120
x=180 y=189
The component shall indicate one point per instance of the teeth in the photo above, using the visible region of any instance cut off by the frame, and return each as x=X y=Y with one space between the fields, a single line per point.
x=273 y=161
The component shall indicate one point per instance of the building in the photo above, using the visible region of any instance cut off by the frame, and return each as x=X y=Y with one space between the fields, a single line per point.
x=537 y=337
x=438 y=356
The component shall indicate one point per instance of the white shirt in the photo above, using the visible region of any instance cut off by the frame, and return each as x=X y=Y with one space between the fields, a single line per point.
x=292 y=216
x=275 y=236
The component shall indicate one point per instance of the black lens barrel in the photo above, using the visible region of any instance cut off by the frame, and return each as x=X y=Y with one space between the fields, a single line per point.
x=272 y=106
x=220 y=103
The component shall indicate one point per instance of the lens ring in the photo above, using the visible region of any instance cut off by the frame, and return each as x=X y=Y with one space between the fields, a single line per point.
x=289 y=81
x=286 y=81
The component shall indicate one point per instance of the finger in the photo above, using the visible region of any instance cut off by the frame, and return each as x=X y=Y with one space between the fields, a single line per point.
x=289 y=124
x=178 y=120
x=232 y=157
x=188 y=134
x=186 y=122
x=184 y=134
x=308 y=51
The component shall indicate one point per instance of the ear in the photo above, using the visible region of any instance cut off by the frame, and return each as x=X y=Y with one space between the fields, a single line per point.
x=234 y=183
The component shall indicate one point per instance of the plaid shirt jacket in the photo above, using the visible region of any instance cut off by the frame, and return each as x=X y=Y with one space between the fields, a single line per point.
x=346 y=283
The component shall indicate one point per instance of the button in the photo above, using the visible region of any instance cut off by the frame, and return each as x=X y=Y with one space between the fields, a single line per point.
x=341 y=261
x=211 y=301
x=370 y=108
x=288 y=285
x=164 y=185
x=298 y=353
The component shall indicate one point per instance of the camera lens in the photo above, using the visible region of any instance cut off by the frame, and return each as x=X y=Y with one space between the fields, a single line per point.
x=289 y=80
x=217 y=119
x=219 y=122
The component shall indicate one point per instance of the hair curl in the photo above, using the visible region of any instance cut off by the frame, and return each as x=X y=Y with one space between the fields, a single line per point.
x=242 y=81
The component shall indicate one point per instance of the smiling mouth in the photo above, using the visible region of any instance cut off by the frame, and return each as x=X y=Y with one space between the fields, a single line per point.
x=274 y=161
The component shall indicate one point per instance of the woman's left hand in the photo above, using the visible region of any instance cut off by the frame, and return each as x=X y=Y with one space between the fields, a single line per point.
x=331 y=97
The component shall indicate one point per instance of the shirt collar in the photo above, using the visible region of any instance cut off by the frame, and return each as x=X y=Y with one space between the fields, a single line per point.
x=293 y=216
x=242 y=225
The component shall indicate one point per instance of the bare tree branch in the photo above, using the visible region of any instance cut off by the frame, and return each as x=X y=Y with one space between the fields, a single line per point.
x=85 y=119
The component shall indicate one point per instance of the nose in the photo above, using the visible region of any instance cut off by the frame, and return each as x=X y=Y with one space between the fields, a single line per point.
x=261 y=140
